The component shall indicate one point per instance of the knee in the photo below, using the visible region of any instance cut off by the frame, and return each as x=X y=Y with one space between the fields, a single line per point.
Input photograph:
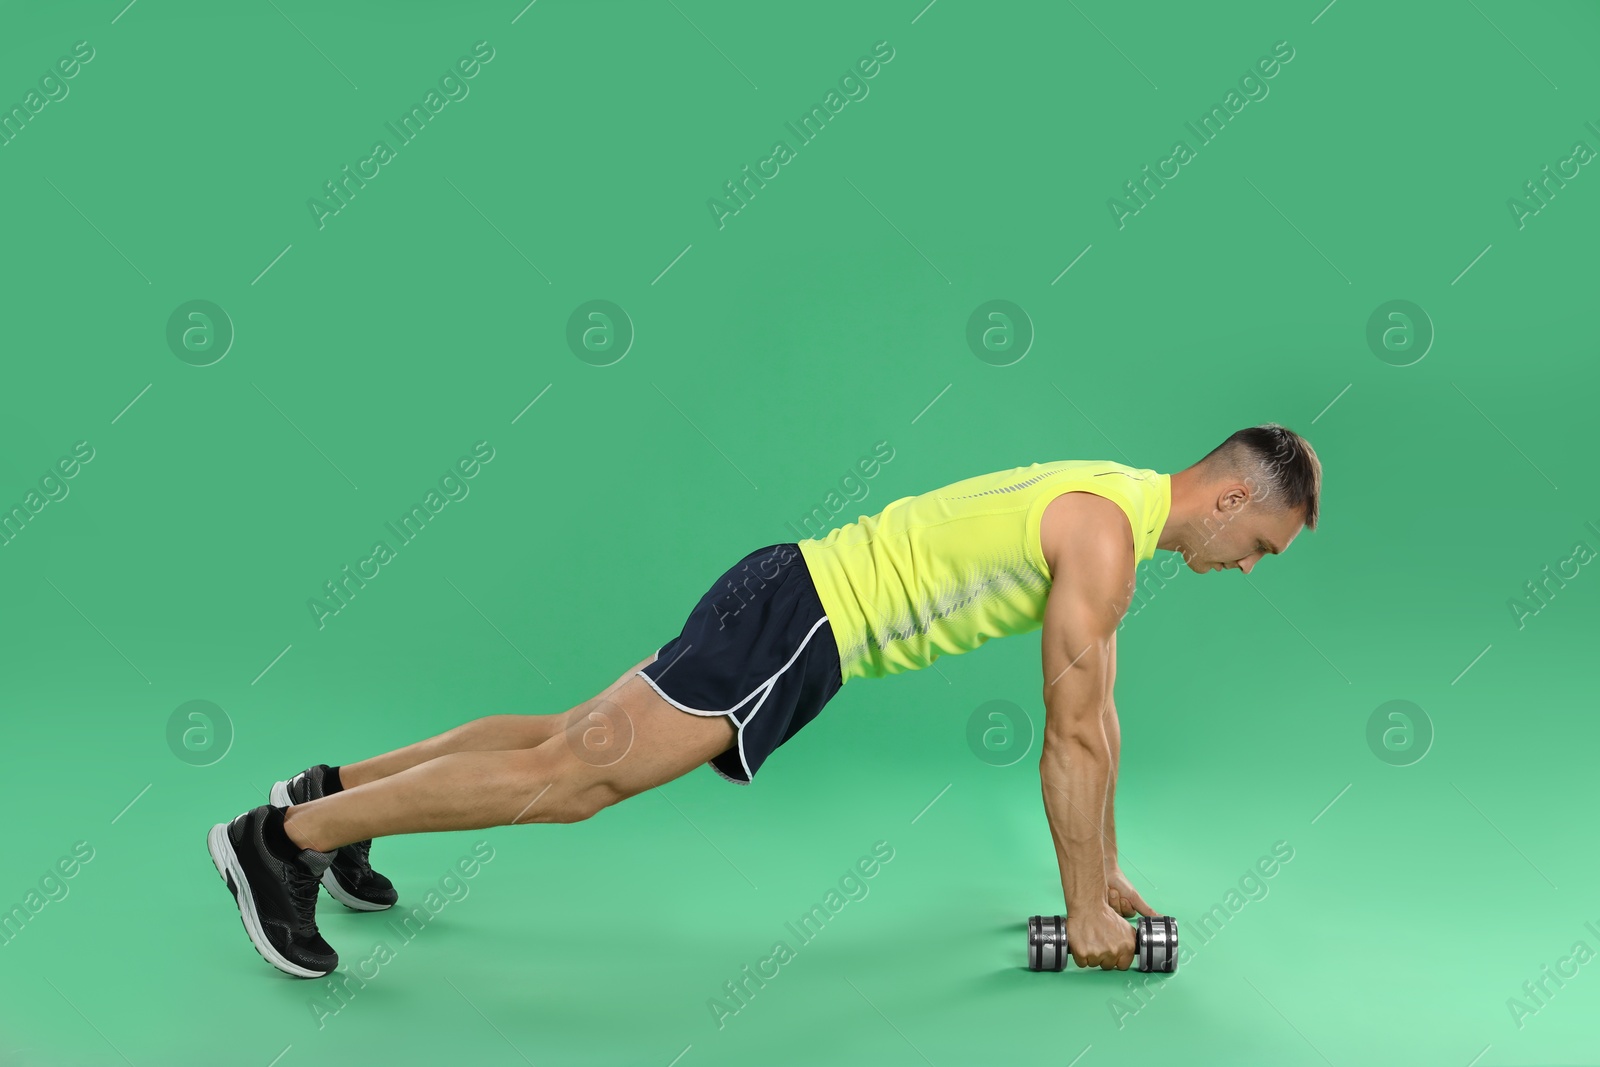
x=581 y=804
x=560 y=788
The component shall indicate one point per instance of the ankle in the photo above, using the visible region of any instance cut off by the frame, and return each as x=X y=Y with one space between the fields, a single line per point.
x=297 y=829
x=350 y=775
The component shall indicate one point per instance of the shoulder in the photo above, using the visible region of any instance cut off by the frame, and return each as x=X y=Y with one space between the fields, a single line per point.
x=1087 y=534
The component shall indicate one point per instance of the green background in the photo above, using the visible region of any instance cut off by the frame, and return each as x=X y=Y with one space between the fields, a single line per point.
x=770 y=355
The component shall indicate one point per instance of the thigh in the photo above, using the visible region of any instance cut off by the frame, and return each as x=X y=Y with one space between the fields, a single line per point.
x=579 y=713
x=634 y=740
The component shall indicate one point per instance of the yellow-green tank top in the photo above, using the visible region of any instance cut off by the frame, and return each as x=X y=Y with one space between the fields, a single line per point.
x=941 y=573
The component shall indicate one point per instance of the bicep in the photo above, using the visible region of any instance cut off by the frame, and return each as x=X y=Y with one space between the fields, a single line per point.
x=1090 y=593
x=1076 y=646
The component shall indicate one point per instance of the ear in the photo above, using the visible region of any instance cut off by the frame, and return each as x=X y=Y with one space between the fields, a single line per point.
x=1233 y=498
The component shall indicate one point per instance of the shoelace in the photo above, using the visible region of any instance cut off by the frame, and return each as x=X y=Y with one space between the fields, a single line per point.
x=303 y=893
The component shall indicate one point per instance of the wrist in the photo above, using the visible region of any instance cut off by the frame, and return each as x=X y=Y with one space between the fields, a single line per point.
x=1085 y=907
x=1085 y=894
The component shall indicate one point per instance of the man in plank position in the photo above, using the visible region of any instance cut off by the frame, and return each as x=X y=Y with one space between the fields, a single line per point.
x=1051 y=545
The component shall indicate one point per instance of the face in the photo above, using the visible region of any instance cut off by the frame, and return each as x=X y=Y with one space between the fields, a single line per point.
x=1239 y=532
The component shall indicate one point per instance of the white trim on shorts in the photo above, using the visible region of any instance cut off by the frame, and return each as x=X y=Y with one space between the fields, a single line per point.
x=764 y=690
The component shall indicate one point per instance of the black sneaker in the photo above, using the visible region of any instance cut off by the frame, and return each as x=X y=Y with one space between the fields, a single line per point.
x=277 y=898
x=351 y=880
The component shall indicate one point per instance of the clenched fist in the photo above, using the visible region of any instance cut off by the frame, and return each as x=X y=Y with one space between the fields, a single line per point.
x=1098 y=937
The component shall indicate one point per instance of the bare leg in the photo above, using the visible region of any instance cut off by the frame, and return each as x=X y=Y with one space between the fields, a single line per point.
x=562 y=779
x=491 y=733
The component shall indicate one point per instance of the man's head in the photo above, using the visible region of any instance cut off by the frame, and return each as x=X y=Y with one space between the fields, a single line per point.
x=1246 y=498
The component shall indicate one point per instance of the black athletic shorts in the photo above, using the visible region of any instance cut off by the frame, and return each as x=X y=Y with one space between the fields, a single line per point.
x=757 y=648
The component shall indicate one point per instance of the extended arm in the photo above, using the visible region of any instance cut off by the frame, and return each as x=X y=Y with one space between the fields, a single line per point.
x=1092 y=569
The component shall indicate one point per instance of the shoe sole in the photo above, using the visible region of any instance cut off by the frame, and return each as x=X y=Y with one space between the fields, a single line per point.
x=279 y=798
x=226 y=860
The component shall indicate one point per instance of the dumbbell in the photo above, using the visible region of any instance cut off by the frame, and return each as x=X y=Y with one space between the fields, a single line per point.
x=1155 y=944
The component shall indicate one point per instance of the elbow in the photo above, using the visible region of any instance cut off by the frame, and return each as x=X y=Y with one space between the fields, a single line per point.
x=1078 y=740
x=1076 y=716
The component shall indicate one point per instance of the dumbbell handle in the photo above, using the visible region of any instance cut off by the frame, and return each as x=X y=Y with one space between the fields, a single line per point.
x=1155 y=943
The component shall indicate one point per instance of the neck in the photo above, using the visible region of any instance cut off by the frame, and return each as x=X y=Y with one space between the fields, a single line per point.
x=1188 y=501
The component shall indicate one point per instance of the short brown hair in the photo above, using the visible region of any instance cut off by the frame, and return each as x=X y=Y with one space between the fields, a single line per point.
x=1283 y=462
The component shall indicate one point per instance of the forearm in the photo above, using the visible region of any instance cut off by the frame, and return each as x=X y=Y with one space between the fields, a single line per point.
x=1109 y=825
x=1075 y=769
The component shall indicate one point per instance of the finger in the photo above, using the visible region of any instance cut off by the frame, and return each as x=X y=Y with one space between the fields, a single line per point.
x=1080 y=958
x=1122 y=905
x=1141 y=907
